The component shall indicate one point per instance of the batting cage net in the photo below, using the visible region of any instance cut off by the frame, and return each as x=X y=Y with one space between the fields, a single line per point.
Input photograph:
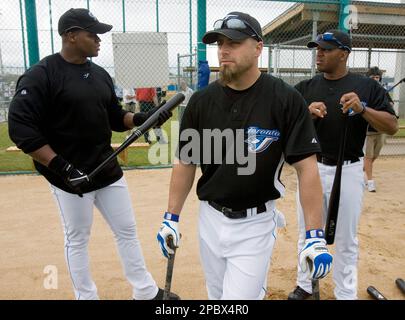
x=157 y=44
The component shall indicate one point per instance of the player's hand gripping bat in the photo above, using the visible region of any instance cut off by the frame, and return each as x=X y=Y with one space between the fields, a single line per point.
x=146 y=126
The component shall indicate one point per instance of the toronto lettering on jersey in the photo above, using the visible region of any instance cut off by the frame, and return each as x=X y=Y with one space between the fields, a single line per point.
x=237 y=147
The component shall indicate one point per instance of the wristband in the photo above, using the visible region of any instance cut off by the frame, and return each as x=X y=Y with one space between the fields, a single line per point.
x=314 y=233
x=364 y=108
x=59 y=165
x=171 y=216
x=139 y=118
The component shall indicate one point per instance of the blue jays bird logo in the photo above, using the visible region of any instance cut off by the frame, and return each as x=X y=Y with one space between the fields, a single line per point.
x=259 y=139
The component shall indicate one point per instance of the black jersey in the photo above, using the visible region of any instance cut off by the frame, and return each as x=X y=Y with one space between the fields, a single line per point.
x=276 y=114
x=73 y=108
x=329 y=128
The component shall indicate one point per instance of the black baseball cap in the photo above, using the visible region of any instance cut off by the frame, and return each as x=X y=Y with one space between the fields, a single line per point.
x=374 y=71
x=81 y=18
x=235 y=26
x=332 y=39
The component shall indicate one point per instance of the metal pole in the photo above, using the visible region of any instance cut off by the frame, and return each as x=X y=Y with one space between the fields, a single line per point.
x=157 y=15
x=23 y=35
x=178 y=72
x=1 y=62
x=32 y=31
x=190 y=18
x=315 y=18
x=369 y=58
x=270 y=60
x=195 y=67
x=50 y=23
x=277 y=60
x=190 y=4
x=123 y=16
x=201 y=28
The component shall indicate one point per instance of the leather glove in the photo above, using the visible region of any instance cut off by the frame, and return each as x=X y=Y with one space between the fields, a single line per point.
x=164 y=115
x=73 y=177
x=140 y=117
x=314 y=259
x=168 y=228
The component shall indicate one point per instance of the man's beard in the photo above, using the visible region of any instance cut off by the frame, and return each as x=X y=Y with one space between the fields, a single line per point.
x=227 y=75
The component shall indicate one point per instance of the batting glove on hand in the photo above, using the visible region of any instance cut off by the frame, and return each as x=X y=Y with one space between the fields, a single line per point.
x=140 y=117
x=314 y=259
x=164 y=115
x=73 y=177
x=169 y=228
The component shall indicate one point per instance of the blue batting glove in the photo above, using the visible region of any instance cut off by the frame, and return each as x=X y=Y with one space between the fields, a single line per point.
x=169 y=227
x=314 y=259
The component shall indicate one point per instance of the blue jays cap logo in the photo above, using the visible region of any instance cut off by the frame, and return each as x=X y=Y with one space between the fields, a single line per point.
x=259 y=139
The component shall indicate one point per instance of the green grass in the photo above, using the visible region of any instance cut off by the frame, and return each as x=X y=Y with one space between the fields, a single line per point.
x=401 y=132
x=18 y=161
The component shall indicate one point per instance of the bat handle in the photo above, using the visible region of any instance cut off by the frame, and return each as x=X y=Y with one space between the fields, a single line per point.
x=170 y=242
x=314 y=283
x=315 y=289
x=170 y=265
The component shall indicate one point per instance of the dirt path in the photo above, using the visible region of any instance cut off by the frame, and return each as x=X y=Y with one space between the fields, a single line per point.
x=31 y=239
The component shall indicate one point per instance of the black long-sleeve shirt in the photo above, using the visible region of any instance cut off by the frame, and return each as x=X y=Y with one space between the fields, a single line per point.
x=73 y=108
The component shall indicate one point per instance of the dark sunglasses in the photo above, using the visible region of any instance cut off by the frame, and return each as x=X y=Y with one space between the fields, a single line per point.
x=327 y=36
x=236 y=24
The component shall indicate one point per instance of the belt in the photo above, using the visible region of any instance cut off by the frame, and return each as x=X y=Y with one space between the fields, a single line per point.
x=237 y=214
x=332 y=162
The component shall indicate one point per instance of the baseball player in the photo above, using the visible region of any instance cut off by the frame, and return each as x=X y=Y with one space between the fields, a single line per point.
x=330 y=94
x=62 y=115
x=374 y=139
x=266 y=119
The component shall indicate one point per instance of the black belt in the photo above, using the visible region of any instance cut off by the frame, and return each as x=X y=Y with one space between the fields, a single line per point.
x=332 y=162
x=236 y=214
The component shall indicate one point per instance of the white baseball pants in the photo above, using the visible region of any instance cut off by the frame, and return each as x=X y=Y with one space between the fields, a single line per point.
x=345 y=258
x=76 y=213
x=235 y=253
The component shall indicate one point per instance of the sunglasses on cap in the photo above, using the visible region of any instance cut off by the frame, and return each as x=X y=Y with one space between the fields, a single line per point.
x=236 y=24
x=327 y=36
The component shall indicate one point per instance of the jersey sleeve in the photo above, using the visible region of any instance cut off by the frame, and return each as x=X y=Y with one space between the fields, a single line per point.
x=115 y=111
x=380 y=99
x=27 y=112
x=301 y=139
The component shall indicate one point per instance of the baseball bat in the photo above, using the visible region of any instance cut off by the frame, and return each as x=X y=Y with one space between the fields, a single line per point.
x=148 y=124
x=314 y=283
x=401 y=284
x=169 y=270
x=315 y=289
x=333 y=206
x=399 y=82
x=377 y=295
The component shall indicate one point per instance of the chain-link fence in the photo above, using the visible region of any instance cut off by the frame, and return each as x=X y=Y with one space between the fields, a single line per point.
x=157 y=43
